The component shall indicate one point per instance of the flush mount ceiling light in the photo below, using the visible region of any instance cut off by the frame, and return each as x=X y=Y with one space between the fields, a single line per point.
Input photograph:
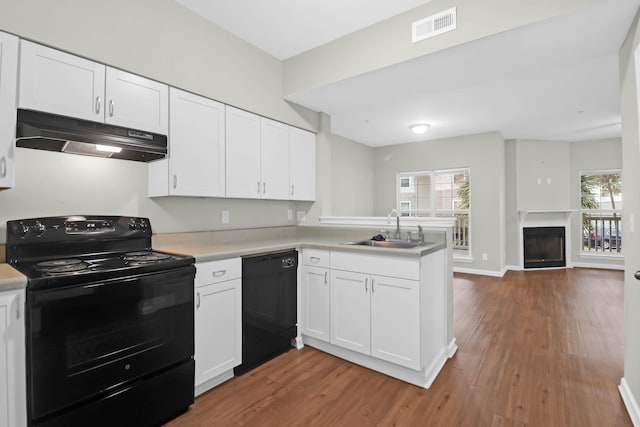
x=419 y=128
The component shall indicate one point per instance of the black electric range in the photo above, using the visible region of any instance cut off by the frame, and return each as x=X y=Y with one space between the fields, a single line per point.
x=109 y=321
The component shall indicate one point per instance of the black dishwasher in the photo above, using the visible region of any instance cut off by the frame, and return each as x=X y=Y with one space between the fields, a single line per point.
x=269 y=306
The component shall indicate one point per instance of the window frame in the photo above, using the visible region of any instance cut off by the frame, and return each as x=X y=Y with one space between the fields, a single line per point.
x=580 y=238
x=432 y=212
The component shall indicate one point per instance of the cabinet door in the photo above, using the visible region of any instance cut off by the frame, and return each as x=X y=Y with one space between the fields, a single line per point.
x=302 y=169
x=218 y=329
x=8 y=81
x=135 y=102
x=395 y=320
x=316 y=302
x=196 y=146
x=274 y=159
x=59 y=83
x=13 y=396
x=243 y=154
x=350 y=310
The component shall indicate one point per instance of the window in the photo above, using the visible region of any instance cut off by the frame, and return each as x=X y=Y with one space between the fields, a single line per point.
x=601 y=212
x=441 y=193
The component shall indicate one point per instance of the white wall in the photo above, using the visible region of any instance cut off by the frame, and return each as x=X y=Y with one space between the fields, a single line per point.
x=389 y=42
x=353 y=175
x=50 y=184
x=484 y=154
x=543 y=175
x=161 y=40
x=629 y=71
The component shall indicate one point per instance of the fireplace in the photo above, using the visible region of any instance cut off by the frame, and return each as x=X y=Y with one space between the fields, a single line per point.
x=544 y=247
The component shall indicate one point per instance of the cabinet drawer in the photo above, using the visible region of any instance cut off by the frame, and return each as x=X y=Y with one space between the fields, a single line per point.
x=316 y=257
x=218 y=271
x=383 y=265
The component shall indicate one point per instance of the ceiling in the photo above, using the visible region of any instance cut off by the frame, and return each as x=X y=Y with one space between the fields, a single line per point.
x=554 y=80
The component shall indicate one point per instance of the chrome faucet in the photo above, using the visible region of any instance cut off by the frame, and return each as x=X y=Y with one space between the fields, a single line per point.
x=420 y=235
x=397 y=235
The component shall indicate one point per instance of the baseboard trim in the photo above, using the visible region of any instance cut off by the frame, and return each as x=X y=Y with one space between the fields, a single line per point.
x=630 y=402
x=452 y=348
x=475 y=271
x=213 y=382
x=594 y=265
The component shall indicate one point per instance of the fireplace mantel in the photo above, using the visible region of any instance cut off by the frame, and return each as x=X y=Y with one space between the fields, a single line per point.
x=566 y=213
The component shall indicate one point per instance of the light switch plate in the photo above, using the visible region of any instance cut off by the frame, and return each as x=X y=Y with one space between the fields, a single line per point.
x=290 y=214
x=225 y=216
x=300 y=216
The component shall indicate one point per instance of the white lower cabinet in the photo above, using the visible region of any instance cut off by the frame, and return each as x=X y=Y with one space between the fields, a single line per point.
x=350 y=311
x=377 y=316
x=218 y=321
x=316 y=299
x=395 y=320
x=316 y=295
x=13 y=404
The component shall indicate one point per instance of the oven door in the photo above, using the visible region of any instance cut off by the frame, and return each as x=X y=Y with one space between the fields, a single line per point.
x=87 y=341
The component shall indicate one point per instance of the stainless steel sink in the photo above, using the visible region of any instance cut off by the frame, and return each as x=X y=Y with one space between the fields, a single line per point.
x=395 y=244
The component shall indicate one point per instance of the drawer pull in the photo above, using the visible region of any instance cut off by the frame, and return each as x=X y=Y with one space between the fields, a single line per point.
x=366 y=282
x=314 y=259
x=198 y=300
x=325 y=278
x=219 y=273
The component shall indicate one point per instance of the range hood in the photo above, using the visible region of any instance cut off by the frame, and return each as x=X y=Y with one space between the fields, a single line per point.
x=44 y=131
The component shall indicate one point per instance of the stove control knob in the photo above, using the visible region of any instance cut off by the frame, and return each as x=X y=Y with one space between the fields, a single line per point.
x=21 y=230
x=142 y=224
x=39 y=228
x=132 y=225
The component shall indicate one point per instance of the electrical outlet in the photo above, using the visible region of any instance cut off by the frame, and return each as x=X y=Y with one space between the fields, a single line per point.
x=485 y=257
x=300 y=216
x=290 y=214
x=225 y=217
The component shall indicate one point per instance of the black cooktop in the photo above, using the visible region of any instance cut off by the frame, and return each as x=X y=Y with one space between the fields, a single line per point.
x=60 y=251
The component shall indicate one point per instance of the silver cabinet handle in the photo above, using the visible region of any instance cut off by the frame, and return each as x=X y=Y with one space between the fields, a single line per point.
x=264 y=188
x=325 y=278
x=3 y=167
x=258 y=187
x=372 y=279
x=292 y=190
x=219 y=273
x=366 y=282
x=111 y=106
x=18 y=309
x=197 y=299
x=98 y=104
x=314 y=259
x=175 y=181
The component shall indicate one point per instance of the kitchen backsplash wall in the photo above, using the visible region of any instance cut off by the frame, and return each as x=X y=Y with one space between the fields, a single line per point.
x=49 y=184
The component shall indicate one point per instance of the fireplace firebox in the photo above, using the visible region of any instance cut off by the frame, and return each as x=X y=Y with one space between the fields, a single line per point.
x=544 y=247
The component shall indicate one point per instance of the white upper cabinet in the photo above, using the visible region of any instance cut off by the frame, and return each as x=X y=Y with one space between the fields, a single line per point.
x=302 y=164
x=196 y=162
x=267 y=159
x=8 y=81
x=60 y=83
x=136 y=102
x=243 y=154
x=274 y=159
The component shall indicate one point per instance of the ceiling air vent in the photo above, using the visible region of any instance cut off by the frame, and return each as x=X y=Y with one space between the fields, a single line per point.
x=433 y=25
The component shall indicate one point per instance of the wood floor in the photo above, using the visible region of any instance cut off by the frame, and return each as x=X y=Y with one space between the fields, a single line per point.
x=536 y=348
